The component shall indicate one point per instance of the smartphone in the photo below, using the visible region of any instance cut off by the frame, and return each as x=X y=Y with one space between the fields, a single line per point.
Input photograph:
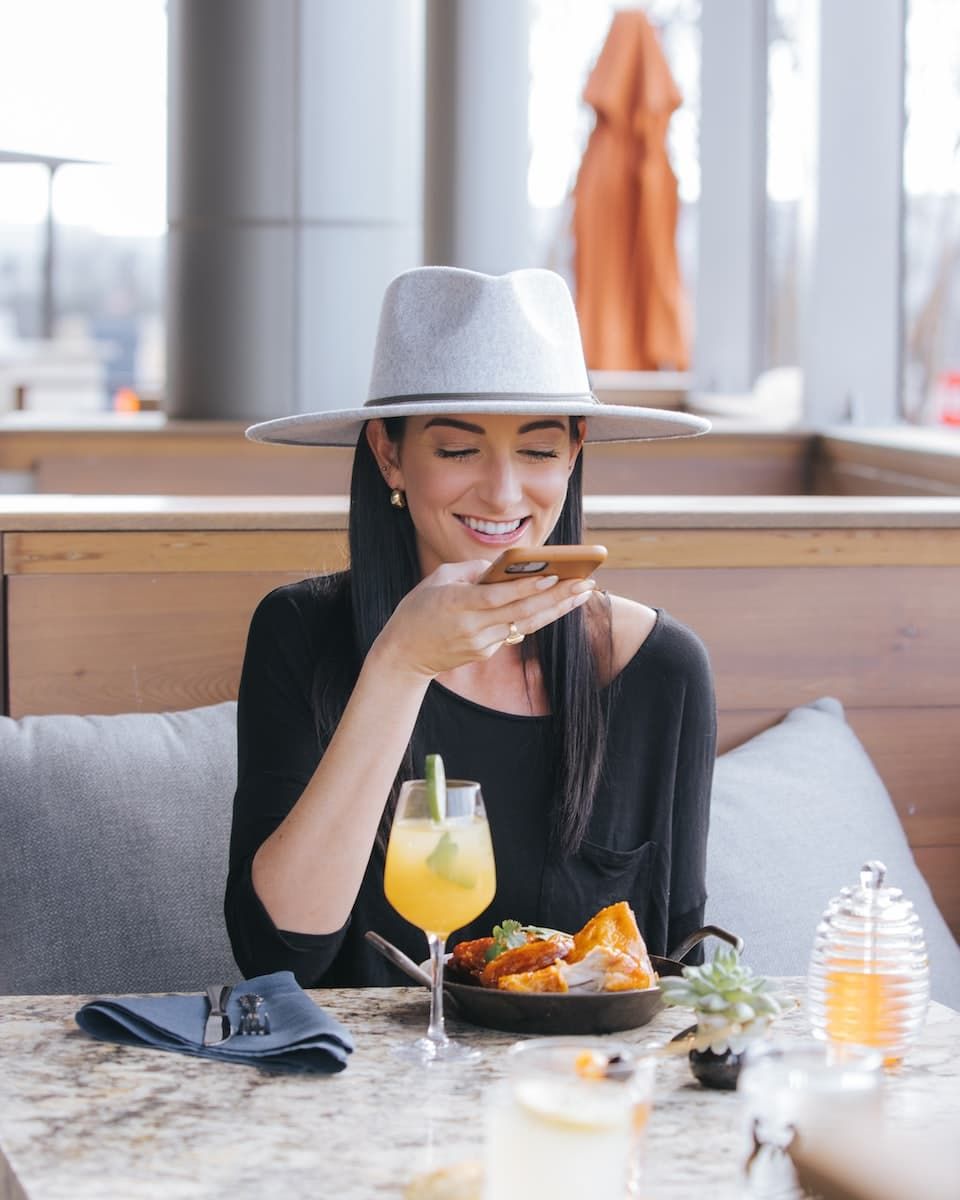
x=567 y=562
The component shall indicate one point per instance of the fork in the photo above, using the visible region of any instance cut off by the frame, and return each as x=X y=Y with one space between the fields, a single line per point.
x=253 y=1018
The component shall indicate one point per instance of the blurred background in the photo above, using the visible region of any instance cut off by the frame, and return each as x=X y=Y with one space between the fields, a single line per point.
x=202 y=200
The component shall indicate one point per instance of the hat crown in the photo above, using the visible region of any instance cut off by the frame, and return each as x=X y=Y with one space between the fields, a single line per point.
x=445 y=331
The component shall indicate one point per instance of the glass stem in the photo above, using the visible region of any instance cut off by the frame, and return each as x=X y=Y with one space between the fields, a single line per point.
x=435 y=1030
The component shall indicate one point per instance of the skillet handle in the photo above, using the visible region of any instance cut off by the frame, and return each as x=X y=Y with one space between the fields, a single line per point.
x=398 y=958
x=695 y=938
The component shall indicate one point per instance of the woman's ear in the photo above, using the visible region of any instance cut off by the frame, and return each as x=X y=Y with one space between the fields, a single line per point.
x=385 y=452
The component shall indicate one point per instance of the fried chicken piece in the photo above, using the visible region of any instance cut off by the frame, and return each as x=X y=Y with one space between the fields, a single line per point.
x=469 y=958
x=530 y=957
x=547 y=979
x=563 y=940
x=614 y=928
x=604 y=970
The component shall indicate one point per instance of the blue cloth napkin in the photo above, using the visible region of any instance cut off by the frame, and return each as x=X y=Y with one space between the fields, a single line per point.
x=302 y=1035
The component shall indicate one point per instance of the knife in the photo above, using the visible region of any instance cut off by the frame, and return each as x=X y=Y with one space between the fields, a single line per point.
x=217 y=1028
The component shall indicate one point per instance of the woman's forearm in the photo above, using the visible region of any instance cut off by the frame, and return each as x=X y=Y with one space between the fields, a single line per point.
x=308 y=872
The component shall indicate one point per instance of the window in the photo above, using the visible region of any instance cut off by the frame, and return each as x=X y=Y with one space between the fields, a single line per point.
x=931 y=163
x=82 y=82
x=566 y=37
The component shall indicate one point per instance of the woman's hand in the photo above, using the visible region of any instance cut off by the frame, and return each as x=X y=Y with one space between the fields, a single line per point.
x=450 y=619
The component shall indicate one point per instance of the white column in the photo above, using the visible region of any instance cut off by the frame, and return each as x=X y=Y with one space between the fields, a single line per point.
x=294 y=197
x=476 y=212
x=729 y=335
x=853 y=346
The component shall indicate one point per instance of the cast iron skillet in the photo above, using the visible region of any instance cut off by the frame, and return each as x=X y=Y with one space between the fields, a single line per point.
x=556 y=1012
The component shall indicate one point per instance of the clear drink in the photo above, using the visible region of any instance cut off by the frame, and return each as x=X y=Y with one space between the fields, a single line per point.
x=798 y=1089
x=576 y=1108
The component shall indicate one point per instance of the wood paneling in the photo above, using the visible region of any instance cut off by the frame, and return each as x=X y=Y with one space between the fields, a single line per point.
x=116 y=643
x=314 y=471
x=148 y=608
x=911 y=464
x=310 y=552
x=772 y=642
x=213 y=458
x=872 y=636
x=4 y=698
x=754 y=464
x=83 y=552
x=206 y=458
x=644 y=548
x=941 y=869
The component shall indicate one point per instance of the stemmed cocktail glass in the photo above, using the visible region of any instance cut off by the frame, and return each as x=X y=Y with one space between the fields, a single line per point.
x=439 y=875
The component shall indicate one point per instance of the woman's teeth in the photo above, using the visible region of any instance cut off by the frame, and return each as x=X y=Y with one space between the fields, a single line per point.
x=492 y=527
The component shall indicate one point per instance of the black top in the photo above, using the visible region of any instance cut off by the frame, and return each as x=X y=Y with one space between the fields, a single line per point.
x=646 y=841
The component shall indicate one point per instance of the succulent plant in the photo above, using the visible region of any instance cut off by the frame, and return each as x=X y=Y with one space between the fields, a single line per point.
x=725 y=995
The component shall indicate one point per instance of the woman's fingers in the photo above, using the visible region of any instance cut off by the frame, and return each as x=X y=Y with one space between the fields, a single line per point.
x=529 y=615
x=448 y=619
x=565 y=601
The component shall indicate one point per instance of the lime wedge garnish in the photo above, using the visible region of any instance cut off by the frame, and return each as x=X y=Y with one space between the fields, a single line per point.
x=442 y=861
x=436 y=780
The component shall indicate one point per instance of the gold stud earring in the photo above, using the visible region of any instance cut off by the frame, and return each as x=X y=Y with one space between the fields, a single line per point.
x=397 y=499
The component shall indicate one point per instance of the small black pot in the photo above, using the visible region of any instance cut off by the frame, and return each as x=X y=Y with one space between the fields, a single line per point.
x=716 y=1070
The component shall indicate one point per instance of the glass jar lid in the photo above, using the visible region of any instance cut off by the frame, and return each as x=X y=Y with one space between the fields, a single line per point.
x=872 y=901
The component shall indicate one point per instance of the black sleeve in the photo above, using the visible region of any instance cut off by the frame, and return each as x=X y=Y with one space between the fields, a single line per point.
x=691 y=802
x=278 y=749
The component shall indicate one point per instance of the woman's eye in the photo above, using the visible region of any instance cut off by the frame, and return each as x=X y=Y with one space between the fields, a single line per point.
x=441 y=453
x=540 y=454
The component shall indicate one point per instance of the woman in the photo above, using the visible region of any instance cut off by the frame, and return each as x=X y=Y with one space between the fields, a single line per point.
x=588 y=719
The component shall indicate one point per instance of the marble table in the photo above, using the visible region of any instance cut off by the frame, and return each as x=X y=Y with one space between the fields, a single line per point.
x=94 y=1121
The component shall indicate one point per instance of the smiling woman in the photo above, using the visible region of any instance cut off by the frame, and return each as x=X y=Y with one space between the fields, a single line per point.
x=588 y=719
x=470 y=485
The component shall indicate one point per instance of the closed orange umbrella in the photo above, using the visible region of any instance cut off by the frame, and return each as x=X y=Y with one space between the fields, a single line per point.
x=630 y=298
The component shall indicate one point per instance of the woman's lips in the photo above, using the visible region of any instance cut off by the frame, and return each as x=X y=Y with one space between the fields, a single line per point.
x=506 y=537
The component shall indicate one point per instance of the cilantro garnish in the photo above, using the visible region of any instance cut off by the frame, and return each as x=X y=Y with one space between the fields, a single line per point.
x=507 y=936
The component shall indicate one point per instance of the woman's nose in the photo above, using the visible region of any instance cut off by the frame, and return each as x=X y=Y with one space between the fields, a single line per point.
x=500 y=486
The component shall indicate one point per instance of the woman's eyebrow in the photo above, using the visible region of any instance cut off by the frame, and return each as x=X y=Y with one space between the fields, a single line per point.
x=541 y=425
x=451 y=423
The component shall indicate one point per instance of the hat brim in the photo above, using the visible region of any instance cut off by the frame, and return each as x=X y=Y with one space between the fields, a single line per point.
x=605 y=422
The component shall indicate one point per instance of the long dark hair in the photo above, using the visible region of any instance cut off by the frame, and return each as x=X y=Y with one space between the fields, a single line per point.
x=385 y=566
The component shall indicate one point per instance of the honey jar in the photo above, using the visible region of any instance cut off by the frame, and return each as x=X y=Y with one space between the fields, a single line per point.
x=869 y=979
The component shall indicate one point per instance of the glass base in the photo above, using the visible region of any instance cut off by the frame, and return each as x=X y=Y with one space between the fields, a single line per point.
x=427 y=1052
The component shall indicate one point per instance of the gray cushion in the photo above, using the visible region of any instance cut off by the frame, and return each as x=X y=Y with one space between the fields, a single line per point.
x=796 y=811
x=114 y=834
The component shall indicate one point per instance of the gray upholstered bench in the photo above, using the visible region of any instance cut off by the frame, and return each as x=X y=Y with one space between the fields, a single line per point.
x=114 y=833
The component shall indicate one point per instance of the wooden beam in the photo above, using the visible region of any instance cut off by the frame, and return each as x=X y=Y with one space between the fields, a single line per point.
x=65 y=553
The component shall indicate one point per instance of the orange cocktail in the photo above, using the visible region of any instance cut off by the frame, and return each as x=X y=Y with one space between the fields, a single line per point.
x=440 y=875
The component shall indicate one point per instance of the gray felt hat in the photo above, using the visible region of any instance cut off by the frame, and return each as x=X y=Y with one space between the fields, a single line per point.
x=454 y=341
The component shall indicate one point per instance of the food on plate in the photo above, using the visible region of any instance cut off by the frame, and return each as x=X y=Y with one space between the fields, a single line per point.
x=531 y=956
x=606 y=970
x=469 y=958
x=607 y=955
x=547 y=979
x=613 y=928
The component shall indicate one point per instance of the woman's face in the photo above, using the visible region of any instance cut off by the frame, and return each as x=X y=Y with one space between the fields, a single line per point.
x=478 y=483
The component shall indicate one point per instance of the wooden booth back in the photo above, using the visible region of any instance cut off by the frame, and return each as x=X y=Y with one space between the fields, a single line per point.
x=139 y=604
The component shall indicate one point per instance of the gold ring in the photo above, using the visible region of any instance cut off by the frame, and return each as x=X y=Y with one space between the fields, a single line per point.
x=514 y=636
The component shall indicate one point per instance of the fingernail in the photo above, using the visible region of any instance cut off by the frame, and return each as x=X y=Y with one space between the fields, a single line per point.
x=584 y=585
x=546 y=582
x=581 y=599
